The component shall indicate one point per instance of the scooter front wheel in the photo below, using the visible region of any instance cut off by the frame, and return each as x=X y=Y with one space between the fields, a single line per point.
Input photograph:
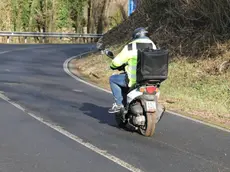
x=149 y=129
x=119 y=120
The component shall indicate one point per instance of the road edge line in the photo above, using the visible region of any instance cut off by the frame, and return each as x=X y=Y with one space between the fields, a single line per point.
x=73 y=137
x=66 y=69
x=69 y=135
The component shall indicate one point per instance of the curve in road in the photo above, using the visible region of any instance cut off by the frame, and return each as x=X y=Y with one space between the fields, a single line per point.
x=32 y=76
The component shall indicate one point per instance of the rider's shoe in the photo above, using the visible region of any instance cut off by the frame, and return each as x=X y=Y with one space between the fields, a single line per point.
x=115 y=108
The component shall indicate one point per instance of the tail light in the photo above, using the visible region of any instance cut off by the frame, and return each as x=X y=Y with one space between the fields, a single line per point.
x=151 y=89
x=148 y=89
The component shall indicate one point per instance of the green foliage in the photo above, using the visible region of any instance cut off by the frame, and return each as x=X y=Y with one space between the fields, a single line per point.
x=14 y=12
x=63 y=15
x=56 y=15
x=26 y=11
x=44 y=15
x=76 y=12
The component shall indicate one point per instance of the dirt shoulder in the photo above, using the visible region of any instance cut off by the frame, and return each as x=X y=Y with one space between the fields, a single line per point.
x=188 y=90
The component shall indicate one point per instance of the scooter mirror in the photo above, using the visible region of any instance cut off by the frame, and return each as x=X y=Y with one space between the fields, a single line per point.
x=109 y=53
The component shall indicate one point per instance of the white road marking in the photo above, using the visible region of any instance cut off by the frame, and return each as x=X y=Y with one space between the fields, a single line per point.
x=66 y=69
x=4 y=52
x=21 y=49
x=90 y=146
x=78 y=91
x=57 y=128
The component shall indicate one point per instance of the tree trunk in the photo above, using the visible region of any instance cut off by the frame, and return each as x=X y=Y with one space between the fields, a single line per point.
x=101 y=18
x=89 y=16
x=31 y=15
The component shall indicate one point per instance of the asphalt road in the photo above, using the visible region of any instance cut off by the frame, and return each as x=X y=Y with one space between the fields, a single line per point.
x=33 y=77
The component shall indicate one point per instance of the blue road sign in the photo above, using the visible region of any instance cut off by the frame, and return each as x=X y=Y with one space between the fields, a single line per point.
x=132 y=6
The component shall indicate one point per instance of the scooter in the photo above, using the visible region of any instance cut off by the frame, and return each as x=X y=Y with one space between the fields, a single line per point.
x=142 y=111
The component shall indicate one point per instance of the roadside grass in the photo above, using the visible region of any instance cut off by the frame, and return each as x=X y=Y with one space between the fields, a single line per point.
x=193 y=89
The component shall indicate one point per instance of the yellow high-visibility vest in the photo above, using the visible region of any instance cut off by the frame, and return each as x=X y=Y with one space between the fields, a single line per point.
x=130 y=57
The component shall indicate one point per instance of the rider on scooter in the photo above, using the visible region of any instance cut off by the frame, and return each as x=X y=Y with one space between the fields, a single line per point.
x=127 y=57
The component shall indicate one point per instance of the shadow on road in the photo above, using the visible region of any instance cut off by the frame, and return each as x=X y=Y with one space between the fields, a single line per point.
x=97 y=112
x=101 y=114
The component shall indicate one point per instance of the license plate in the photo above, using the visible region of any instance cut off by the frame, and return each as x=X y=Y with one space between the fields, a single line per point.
x=151 y=106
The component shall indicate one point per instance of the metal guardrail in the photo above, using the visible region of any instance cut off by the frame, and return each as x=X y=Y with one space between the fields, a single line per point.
x=47 y=34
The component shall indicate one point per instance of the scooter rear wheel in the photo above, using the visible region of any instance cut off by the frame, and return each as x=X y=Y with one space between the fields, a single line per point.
x=149 y=129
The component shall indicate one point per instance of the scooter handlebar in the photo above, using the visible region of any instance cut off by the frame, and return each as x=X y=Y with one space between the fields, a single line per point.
x=109 y=53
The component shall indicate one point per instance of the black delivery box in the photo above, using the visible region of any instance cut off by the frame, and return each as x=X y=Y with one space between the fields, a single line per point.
x=152 y=65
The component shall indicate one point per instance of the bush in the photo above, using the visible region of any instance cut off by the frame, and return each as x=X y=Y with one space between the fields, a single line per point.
x=192 y=28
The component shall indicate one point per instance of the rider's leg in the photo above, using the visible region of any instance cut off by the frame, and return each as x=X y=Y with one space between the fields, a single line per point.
x=116 y=84
x=124 y=94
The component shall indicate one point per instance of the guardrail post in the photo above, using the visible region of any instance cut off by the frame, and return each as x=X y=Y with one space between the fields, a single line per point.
x=80 y=39
x=60 y=39
x=25 y=40
x=8 y=39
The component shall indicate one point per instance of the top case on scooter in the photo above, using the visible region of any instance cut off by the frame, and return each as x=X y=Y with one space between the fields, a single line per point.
x=152 y=65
